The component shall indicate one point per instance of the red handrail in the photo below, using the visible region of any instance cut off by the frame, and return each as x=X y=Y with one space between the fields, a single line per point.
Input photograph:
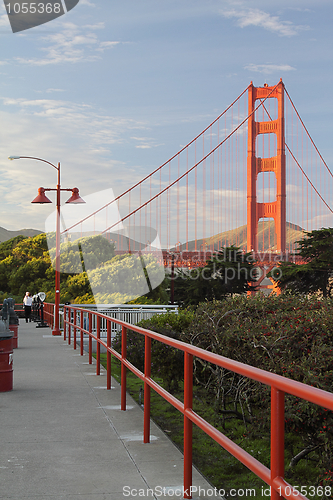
x=274 y=476
x=49 y=313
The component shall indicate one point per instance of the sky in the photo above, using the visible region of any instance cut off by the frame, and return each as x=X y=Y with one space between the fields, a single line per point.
x=113 y=89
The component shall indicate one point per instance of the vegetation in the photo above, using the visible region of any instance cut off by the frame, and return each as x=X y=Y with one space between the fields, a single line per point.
x=87 y=265
x=287 y=335
x=125 y=278
x=167 y=363
x=228 y=272
x=91 y=272
x=316 y=248
x=25 y=265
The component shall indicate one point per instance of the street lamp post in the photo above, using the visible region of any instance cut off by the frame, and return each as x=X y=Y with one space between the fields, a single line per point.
x=42 y=198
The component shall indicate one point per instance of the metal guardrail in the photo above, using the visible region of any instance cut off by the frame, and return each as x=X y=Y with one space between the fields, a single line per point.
x=125 y=312
x=274 y=477
x=49 y=313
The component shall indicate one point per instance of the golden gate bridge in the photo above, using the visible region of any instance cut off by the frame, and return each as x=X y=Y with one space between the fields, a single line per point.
x=253 y=178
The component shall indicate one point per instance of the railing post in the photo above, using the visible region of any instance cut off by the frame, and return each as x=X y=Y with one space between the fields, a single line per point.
x=123 y=367
x=108 y=355
x=98 y=346
x=81 y=333
x=65 y=322
x=277 y=438
x=146 y=403
x=53 y=316
x=188 y=403
x=75 y=323
x=90 y=339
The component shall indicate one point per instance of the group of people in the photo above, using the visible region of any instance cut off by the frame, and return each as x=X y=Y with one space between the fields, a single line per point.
x=27 y=304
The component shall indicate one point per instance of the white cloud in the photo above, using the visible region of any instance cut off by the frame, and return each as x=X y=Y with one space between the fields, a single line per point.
x=97 y=26
x=81 y=118
x=73 y=44
x=87 y=2
x=256 y=17
x=268 y=69
x=81 y=137
x=4 y=21
x=49 y=91
x=107 y=45
x=145 y=143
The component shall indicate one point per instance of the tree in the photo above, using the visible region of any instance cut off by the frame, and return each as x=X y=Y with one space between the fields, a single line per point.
x=6 y=247
x=228 y=272
x=316 y=248
x=24 y=263
x=77 y=289
x=125 y=278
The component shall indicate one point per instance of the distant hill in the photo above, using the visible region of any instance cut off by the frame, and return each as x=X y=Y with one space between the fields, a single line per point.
x=238 y=236
x=5 y=234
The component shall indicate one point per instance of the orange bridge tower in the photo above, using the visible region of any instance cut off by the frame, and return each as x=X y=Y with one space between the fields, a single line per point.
x=277 y=164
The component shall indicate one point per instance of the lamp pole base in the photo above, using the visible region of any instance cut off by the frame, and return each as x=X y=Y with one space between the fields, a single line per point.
x=56 y=331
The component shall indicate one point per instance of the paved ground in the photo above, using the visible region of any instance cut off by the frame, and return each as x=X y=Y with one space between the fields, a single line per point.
x=63 y=435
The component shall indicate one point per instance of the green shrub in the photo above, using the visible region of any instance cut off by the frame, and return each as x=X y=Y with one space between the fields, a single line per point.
x=167 y=362
x=286 y=335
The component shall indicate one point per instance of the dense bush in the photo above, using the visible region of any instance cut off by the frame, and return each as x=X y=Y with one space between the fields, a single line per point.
x=226 y=273
x=287 y=335
x=26 y=265
x=167 y=362
x=315 y=274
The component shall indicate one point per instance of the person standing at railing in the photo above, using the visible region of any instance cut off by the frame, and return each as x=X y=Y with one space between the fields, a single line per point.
x=27 y=304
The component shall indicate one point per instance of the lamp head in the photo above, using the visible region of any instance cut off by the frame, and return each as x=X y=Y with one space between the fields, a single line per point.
x=14 y=157
x=41 y=198
x=75 y=198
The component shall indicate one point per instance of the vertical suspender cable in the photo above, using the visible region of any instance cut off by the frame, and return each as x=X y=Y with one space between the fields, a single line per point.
x=203 y=193
x=195 y=199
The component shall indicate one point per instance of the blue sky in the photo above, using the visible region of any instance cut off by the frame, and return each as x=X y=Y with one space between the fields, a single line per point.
x=113 y=89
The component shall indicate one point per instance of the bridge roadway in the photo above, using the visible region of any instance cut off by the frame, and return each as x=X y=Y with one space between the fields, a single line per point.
x=191 y=259
x=63 y=435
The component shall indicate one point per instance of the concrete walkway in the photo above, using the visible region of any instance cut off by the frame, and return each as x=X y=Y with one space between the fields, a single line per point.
x=63 y=435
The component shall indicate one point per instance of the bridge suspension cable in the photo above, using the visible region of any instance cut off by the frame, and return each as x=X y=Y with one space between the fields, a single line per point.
x=307 y=132
x=206 y=206
x=193 y=167
x=295 y=159
x=158 y=168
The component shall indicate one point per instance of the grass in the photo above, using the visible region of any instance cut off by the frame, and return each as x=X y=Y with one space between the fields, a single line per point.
x=220 y=468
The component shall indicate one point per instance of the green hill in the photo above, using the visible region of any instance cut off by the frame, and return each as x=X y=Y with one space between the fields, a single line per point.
x=6 y=235
x=237 y=237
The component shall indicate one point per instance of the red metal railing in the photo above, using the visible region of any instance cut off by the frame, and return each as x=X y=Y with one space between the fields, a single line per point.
x=78 y=320
x=49 y=313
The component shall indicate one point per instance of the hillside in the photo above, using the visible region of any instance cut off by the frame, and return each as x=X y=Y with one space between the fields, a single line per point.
x=5 y=234
x=237 y=237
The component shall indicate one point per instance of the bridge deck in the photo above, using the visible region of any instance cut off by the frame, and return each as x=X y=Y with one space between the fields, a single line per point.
x=63 y=435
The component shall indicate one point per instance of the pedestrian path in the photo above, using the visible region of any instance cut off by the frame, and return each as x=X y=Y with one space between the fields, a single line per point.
x=63 y=435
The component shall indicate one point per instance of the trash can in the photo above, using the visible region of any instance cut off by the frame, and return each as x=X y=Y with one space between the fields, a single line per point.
x=6 y=358
x=14 y=329
x=13 y=321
